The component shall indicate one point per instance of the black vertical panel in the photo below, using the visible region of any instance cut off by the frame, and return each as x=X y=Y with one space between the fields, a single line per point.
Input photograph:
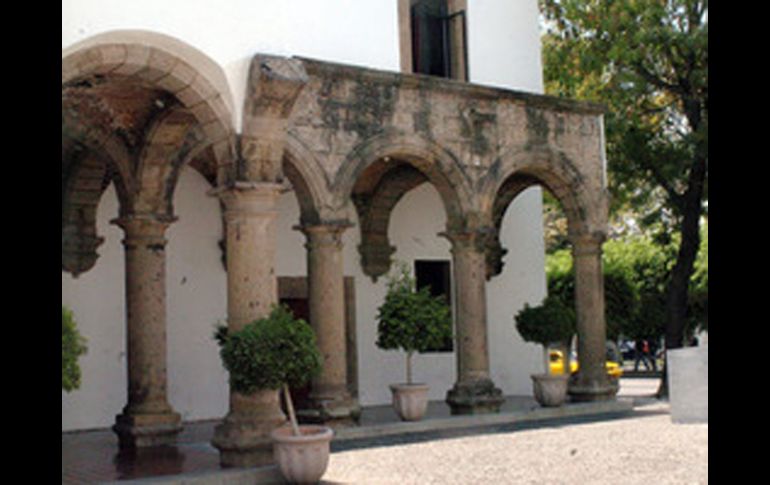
x=430 y=41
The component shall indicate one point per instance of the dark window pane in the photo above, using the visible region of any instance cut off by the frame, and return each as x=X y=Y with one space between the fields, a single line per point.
x=437 y=277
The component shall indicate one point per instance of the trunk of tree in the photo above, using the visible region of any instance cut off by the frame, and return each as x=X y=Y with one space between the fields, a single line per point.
x=290 y=408
x=678 y=287
x=409 y=367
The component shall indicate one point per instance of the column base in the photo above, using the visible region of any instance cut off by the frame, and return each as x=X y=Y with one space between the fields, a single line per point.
x=243 y=437
x=146 y=430
x=335 y=412
x=475 y=397
x=242 y=444
x=589 y=390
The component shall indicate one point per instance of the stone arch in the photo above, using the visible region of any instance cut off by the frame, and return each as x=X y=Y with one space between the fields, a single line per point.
x=123 y=79
x=144 y=103
x=440 y=166
x=309 y=181
x=161 y=61
x=380 y=171
x=585 y=207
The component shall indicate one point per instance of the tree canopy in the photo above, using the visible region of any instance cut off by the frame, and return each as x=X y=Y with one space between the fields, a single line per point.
x=647 y=61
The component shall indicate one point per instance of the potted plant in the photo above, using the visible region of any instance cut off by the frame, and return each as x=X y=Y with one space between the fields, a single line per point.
x=276 y=352
x=73 y=345
x=551 y=321
x=412 y=321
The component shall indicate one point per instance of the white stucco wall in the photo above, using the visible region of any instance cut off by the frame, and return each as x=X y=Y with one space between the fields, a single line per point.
x=230 y=32
x=503 y=51
x=196 y=298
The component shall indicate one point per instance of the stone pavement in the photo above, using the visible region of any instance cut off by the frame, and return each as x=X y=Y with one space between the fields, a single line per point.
x=93 y=457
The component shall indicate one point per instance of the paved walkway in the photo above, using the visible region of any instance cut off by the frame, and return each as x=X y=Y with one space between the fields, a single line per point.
x=93 y=457
x=642 y=449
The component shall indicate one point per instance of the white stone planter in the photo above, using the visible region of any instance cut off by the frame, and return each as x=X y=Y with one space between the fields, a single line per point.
x=410 y=400
x=550 y=389
x=688 y=384
x=304 y=458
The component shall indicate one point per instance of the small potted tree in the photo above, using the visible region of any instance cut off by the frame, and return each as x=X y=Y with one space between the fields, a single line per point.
x=412 y=321
x=276 y=352
x=550 y=322
x=73 y=345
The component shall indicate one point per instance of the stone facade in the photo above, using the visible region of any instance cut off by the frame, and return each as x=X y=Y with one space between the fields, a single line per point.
x=137 y=107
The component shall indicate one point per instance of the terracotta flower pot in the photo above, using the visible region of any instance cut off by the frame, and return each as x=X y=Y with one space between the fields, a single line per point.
x=304 y=458
x=410 y=400
x=550 y=389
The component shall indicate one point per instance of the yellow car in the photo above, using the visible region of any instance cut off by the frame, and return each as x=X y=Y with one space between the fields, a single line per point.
x=556 y=359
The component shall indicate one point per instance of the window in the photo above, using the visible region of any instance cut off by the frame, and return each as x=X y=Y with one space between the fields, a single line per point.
x=437 y=277
x=434 y=38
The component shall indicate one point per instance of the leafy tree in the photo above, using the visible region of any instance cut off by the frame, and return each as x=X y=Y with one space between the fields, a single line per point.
x=636 y=271
x=73 y=345
x=648 y=62
x=620 y=294
x=411 y=320
x=273 y=352
x=552 y=321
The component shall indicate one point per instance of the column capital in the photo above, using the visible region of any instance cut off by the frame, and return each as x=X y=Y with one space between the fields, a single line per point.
x=242 y=198
x=144 y=229
x=324 y=233
x=474 y=239
x=587 y=244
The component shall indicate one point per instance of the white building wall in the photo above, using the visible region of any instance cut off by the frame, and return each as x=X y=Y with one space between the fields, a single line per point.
x=97 y=301
x=503 y=51
x=196 y=298
x=230 y=32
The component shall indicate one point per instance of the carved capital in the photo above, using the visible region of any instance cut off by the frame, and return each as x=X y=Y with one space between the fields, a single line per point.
x=587 y=244
x=478 y=239
x=144 y=230
x=325 y=235
x=248 y=199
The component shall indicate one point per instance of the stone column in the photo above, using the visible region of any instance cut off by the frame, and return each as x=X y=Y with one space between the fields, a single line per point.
x=147 y=419
x=592 y=382
x=330 y=398
x=243 y=438
x=474 y=392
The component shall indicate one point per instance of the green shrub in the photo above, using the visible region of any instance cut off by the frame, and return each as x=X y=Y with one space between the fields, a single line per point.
x=551 y=321
x=73 y=345
x=411 y=320
x=269 y=352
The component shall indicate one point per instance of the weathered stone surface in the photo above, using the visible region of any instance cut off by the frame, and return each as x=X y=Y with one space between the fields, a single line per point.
x=479 y=396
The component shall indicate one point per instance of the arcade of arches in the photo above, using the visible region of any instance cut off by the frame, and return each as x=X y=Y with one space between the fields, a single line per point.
x=137 y=107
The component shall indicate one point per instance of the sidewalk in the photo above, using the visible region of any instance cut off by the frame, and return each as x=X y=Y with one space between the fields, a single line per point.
x=643 y=448
x=92 y=457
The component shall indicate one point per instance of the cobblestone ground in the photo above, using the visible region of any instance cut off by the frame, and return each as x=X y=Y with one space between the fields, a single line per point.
x=638 y=450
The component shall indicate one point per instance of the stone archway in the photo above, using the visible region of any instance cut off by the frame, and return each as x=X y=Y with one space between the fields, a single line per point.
x=136 y=107
x=384 y=168
x=580 y=191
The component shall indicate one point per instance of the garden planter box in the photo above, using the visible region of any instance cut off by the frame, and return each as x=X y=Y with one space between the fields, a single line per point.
x=688 y=384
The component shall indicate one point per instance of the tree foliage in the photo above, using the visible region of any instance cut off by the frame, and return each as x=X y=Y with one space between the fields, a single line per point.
x=552 y=321
x=647 y=61
x=73 y=345
x=636 y=272
x=411 y=320
x=269 y=352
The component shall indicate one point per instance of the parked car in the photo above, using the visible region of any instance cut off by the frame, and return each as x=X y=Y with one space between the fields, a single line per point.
x=556 y=359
